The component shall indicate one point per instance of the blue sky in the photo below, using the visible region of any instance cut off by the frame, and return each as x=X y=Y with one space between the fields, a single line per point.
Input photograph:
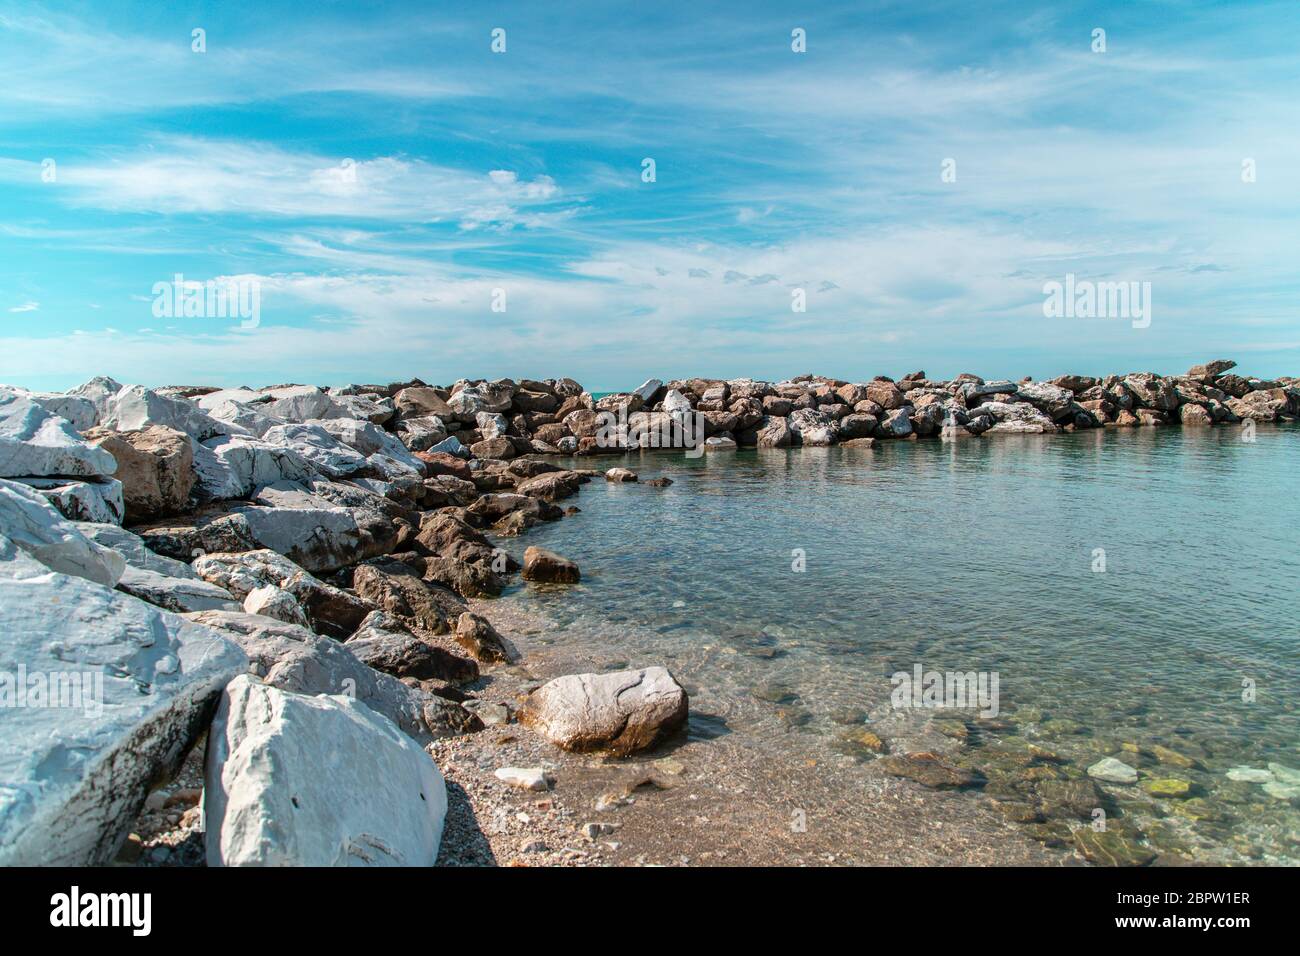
x=521 y=171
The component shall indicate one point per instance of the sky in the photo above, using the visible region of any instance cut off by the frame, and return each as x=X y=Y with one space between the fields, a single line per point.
x=408 y=201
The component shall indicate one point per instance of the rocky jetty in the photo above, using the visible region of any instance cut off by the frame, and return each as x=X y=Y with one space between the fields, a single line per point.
x=287 y=574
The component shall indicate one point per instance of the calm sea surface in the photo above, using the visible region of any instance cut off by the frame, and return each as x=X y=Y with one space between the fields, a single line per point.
x=987 y=556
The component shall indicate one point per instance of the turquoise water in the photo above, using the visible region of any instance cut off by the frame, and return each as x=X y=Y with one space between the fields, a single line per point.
x=977 y=555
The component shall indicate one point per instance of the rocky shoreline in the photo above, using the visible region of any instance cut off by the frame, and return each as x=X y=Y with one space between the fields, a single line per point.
x=194 y=566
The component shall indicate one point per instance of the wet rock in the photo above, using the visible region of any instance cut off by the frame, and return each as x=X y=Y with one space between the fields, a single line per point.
x=929 y=771
x=1110 y=770
x=1167 y=787
x=660 y=482
x=1065 y=799
x=620 y=712
x=1109 y=848
x=476 y=634
x=620 y=474
x=266 y=802
x=547 y=566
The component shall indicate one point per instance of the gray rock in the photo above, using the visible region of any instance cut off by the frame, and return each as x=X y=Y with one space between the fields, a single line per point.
x=144 y=681
x=32 y=524
x=179 y=594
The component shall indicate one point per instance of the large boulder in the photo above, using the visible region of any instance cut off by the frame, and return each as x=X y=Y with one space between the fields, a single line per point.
x=398 y=589
x=33 y=525
x=135 y=407
x=316 y=781
x=1152 y=391
x=774 y=432
x=294 y=659
x=155 y=466
x=234 y=467
x=619 y=712
x=128 y=689
x=327 y=454
x=1053 y=400
x=37 y=443
x=387 y=645
x=1211 y=370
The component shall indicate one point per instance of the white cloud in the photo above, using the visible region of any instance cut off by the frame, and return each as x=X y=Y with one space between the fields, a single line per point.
x=26 y=307
x=212 y=176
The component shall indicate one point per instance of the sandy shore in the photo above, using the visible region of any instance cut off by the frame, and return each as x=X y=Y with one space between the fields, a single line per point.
x=705 y=798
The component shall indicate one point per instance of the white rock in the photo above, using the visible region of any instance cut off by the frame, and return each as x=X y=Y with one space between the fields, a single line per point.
x=96 y=500
x=1250 y=775
x=241 y=396
x=622 y=711
x=99 y=391
x=369 y=407
x=719 y=443
x=35 y=527
x=452 y=446
x=270 y=601
x=525 y=778
x=1111 y=770
x=648 y=390
x=74 y=779
x=300 y=403
x=135 y=407
x=36 y=443
x=420 y=434
x=491 y=424
x=326 y=453
x=232 y=467
x=250 y=418
x=79 y=411
x=677 y=404
x=316 y=781
x=1284 y=773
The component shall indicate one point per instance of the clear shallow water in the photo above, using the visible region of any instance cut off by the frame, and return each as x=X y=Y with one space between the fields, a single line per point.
x=975 y=555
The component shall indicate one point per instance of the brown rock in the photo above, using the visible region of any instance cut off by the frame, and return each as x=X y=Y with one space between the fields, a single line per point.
x=543 y=565
x=155 y=466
